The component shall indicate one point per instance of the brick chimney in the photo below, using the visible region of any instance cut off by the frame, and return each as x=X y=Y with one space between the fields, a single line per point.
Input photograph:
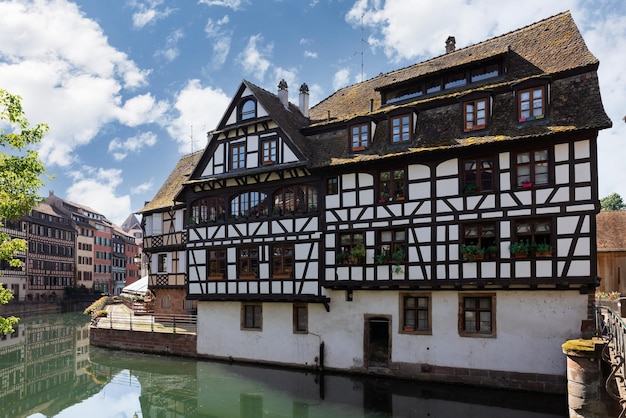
x=450 y=44
x=283 y=93
x=304 y=100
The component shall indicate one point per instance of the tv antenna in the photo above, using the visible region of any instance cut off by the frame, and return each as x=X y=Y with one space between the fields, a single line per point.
x=362 y=43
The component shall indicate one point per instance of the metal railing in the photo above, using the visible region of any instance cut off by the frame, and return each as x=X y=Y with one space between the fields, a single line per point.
x=610 y=326
x=175 y=324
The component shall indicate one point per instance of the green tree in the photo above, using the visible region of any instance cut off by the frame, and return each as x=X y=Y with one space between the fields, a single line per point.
x=612 y=202
x=21 y=174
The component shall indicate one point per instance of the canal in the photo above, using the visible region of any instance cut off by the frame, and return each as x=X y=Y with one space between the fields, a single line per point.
x=48 y=369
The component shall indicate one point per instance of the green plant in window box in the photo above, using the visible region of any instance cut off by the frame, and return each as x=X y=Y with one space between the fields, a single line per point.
x=469 y=188
x=519 y=249
x=472 y=252
x=381 y=258
x=398 y=259
x=341 y=258
x=543 y=250
x=357 y=253
x=492 y=251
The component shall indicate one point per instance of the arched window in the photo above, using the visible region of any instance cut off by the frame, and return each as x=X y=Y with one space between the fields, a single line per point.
x=247 y=110
x=295 y=199
x=249 y=204
x=208 y=209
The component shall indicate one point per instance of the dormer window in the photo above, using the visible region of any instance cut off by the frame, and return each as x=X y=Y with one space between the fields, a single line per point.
x=359 y=136
x=475 y=114
x=401 y=130
x=247 y=110
x=531 y=103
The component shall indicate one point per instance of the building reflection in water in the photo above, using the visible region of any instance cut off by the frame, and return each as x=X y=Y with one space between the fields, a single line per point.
x=46 y=369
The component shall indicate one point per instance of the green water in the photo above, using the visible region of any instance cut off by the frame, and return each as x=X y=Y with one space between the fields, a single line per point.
x=48 y=369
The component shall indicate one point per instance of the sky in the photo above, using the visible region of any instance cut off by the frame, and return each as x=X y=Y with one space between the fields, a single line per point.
x=127 y=87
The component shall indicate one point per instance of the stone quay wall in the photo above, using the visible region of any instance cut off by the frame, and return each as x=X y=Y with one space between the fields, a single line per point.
x=145 y=342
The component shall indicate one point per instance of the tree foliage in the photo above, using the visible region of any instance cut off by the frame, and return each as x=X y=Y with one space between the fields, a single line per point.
x=612 y=202
x=21 y=174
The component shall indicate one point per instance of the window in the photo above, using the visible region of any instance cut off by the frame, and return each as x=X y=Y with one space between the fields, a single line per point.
x=162 y=263
x=249 y=204
x=392 y=247
x=532 y=168
x=332 y=186
x=531 y=103
x=252 y=316
x=248 y=262
x=391 y=185
x=282 y=261
x=475 y=115
x=477 y=175
x=415 y=313
x=400 y=129
x=359 y=137
x=247 y=110
x=238 y=156
x=477 y=315
x=217 y=263
x=351 y=249
x=479 y=239
x=165 y=302
x=300 y=319
x=209 y=209
x=295 y=199
x=269 y=151
x=533 y=237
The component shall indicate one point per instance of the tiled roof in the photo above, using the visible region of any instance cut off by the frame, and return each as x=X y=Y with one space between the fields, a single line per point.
x=611 y=230
x=549 y=46
x=164 y=198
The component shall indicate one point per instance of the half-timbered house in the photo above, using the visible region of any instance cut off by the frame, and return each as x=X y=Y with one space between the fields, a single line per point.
x=164 y=239
x=435 y=222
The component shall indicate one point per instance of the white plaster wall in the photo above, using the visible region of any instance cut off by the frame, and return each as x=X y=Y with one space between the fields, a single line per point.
x=531 y=326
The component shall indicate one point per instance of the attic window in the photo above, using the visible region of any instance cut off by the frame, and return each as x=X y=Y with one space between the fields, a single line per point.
x=247 y=110
x=359 y=136
x=531 y=103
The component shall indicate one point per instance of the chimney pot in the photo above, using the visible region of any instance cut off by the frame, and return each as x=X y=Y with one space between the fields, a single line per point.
x=283 y=93
x=304 y=100
x=450 y=44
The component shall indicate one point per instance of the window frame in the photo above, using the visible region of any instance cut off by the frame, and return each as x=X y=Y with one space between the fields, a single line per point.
x=386 y=255
x=404 y=129
x=237 y=150
x=248 y=264
x=474 y=113
x=217 y=258
x=479 y=183
x=300 y=315
x=269 y=151
x=253 y=312
x=391 y=192
x=357 y=140
x=415 y=329
x=304 y=200
x=476 y=332
x=528 y=180
x=162 y=263
x=332 y=185
x=480 y=239
x=242 y=205
x=531 y=103
x=344 y=248
x=283 y=261
x=208 y=209
x=535 y=235
x=246 y=114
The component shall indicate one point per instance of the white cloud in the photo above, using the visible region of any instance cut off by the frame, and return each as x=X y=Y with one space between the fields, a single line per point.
x=341 y=78
x=61 y=64
x=142 y=109
x=170 y=51
x=233 y=4
x=253 y=59
x=96 y=188
x=221 y=40
x=310 y=54
x=148 y=12
x=406 y=33
x=120 y=149
x=199 y=109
